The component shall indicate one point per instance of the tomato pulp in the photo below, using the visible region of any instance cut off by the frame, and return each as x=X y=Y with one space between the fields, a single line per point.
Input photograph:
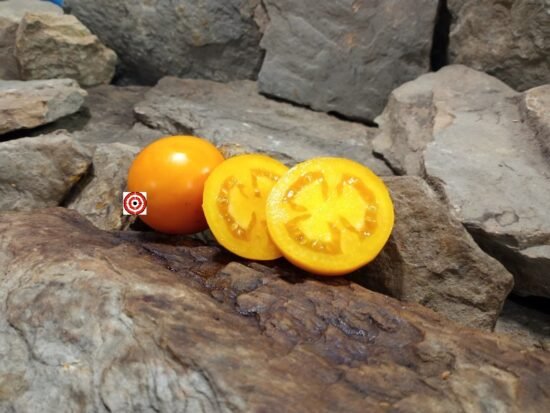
x=235 y=195
x=330 y=216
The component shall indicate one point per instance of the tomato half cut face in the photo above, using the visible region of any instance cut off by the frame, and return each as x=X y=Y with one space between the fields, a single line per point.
x=330 y=216
x=234 y=201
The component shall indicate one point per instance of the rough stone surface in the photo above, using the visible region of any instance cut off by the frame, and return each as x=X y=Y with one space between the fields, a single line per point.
x=107 y=116
x=25 y=105
x=345 y=56
x=208 y=39
x=535 y=104
x=8 y=64
x=52 y=47
x=508 y=39
x=11 y=13
x=99 y=196
x=15 y=9
x=39 y=172
x=526 y=325
x=464 y=131
x=235 y=113
x=136 y=324
x=432 y=260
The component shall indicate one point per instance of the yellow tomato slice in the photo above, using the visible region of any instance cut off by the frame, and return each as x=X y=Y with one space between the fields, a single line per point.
x=330 y=216
x=234 y=201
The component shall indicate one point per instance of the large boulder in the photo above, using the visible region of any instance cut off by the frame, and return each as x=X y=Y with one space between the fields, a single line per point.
x=431 y=259
x=466 y=133
x=508 y=39
x=11 y=14
x=208 y=39
x=26 y=105
x=235 y=113
x=345 y=57
x=40 y=172
x=97 y=321
x=99 y=196
x=52 y=47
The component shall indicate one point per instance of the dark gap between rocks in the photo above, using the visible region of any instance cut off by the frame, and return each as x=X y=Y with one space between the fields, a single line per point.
x=395 y=171
x=71 y=123
x=440 y=43
x=260 y=65
x=369 y=123
x=337 y=115
x=540 y=304
x=77 y=188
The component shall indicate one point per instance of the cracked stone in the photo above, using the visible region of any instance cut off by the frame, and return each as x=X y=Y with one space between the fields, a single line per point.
x=49 y=46
x=481 y=144
x=99 y=197
x=210 y=39
x=345 y=57
x=11 y=14
x=126 y=322
x=26 y=105
x=431 y=259
x=236 y=116
x=107 y=116
x=39 y=172
x=507 y=39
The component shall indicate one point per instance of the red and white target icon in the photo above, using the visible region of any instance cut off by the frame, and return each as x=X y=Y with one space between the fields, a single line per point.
x=134 y=203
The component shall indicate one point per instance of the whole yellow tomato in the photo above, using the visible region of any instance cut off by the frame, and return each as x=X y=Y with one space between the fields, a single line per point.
x=172 y=172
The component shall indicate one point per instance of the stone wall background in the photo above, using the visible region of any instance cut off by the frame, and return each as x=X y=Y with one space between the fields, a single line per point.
x=452 y=96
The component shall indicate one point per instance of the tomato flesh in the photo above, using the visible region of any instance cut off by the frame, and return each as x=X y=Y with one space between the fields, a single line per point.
x=172 y=171
x=330 y=216
x=234 y=201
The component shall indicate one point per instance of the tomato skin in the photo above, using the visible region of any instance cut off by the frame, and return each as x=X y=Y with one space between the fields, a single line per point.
x=172 y=170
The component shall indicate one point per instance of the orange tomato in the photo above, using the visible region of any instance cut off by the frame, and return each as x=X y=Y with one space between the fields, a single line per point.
x=234 y=204
x=172 y=171
x=330 y=216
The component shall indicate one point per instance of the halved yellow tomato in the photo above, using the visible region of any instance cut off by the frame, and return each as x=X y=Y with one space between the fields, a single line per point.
x=234 y=201
x=330 y=216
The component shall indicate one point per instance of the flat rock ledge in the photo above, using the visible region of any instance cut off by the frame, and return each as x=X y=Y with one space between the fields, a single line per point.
x=124 y=322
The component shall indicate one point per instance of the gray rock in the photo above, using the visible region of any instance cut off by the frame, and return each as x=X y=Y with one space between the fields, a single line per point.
x=345 y=56
x=11 y=13
x=48 y=46
x=209 y=39
x=467 y=136
x=15 y=10
x=526 y=325
x=109 y=113
x=508 y=39
x=235 y=113
x=107 y=116
x=8 y=64
x=432 y=260
x=25 y=105
x=141 y=135
x=535 y=104
x=100 y=195
x=40 y=172
x=92 y=321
